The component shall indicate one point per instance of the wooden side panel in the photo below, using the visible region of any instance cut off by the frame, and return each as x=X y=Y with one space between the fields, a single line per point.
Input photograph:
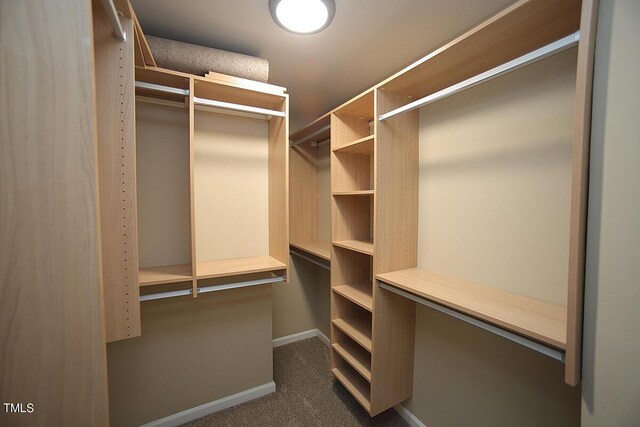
x=579 y=191
x=279 y=186
x=396 y=230
x=115 y=96
x=51 y=316
x=303 y=192
x=192 y=189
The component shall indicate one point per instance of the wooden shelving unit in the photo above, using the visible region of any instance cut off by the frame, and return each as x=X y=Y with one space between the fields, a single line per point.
x=361 y=338
x=308 y=167
x=182 y=217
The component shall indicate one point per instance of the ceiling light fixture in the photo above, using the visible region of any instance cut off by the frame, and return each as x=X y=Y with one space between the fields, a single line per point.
x=303 y=16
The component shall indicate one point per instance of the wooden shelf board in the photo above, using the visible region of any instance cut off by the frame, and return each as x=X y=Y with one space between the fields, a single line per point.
x=319 y=248
x=354 y=360
x=237 y=266
x=361 y=106
x=359 y=293
x=362 y=246
x=363 y=146
x=357 y=390
x=164 y=274
x=533 y=318
x=355 y=193
x=220 y=91
x=359 y=331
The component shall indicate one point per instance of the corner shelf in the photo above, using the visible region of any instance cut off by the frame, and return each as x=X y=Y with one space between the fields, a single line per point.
x=362 y=246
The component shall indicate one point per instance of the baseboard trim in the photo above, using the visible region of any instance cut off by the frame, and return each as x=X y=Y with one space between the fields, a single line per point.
x=215 y=406
x=300 y=336
x=408 y=416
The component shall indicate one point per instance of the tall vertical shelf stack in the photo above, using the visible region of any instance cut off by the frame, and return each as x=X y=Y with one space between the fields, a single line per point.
x=372 y=333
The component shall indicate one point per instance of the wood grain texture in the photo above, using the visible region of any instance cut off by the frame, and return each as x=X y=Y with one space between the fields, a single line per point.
x=303 y=192
x=357 y=293
x=352 y=218
x=358 y=329
x=228 y=92
x=115 y=96
x=356 y=386
x=279 y=185
x=238 y=266
x=192 y=189
x=355 y=356
x=319 y=248
x=147 y=55
x=359 y=146
x=395 y=238
x=532 y=318
x=362 y=246
x=519 y=29
x=579 y=191
x=51 y=317
x=165 y=274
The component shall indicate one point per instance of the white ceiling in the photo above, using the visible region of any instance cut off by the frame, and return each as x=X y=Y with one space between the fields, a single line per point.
x=367 y=41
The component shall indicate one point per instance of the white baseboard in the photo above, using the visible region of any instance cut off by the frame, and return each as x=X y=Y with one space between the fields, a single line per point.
x=323 y=337
x=215 y=406
x=301 y=336
x=408 y=416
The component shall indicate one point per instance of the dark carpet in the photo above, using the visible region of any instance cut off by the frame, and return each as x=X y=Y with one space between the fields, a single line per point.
x=306 y=395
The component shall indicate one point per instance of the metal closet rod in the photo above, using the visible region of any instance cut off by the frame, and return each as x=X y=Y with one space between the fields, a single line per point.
x=210 y=102
x=310 y=136
x=212 y=288
x=531 y=57
x=311 y=260
x=534 y=345
x=114 y=19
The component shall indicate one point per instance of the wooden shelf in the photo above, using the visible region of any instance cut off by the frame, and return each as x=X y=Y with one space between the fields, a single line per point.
x=164 y=274
x=362 y=146
x=355 y=193
x=237 y=266
x=356 y=357
x=355 y=385
x=358 y=330
x=537 y=319
x=359 y=293
x=319 y=248
x=362 y=246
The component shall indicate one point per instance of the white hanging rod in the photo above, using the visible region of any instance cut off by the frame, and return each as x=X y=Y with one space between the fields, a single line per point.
x=238 y=107
x=245 y=284
x=534 y=345
x=112 y=13
x=310 y=136
x=162 y=88
x=311 y=260
x=531 y=57
x=203 y=290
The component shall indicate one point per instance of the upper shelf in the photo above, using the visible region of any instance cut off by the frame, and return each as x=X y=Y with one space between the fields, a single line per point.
x=530 y=317
x=319 y=248
x=524 y=27
x=237 y=266
x=362 y=146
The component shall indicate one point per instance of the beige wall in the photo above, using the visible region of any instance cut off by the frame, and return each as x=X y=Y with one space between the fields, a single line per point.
x=611 y=359
x=191 y=352
x=494 y=209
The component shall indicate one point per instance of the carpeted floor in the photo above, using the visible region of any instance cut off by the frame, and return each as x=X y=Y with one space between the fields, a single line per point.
x=306 y=395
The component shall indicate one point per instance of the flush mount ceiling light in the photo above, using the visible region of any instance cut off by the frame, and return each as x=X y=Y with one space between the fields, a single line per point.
x=302 y=16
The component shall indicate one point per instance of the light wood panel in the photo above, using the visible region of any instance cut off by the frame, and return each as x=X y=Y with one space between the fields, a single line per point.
x=530 y=317
x=362 y=246
x=51 y=314
x=303 y=192
x=519 y=29
x=115 y=113
x=227 y=92
x=579 y=191
x=354 y=193
x=279 y=186
x=165 y=274
x=192 y=189
x=318 y=248
x=245 y=83
x=358 y=329
x=356 y=386
x=358 y=293
x=238 y=266
x=354 y=355
x=359 y=146
x=315 y=126
x=144 y=48
x=351 y=218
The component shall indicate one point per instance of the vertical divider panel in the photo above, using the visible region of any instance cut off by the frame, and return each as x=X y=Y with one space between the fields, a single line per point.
x=279 y=187
x=303 y=188
x=194 y=258
x=115 y=113
x=579 y=191
x=395 y=230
